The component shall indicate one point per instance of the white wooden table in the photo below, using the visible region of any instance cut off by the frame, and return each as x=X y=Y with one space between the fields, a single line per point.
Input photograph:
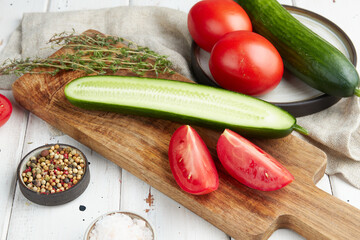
x=115 y=188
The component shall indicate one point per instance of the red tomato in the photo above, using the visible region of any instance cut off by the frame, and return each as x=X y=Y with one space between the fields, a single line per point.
x=246 y=62
x=209 y=20
x=250 y=165
x=5 y=109
x=191 y=163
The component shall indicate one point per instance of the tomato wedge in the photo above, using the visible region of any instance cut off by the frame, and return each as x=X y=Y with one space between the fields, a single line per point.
x=5 y=109
x=249 y=164
x=191 y=163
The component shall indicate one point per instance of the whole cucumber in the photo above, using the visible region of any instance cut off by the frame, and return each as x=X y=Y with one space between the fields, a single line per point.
x=305 y=54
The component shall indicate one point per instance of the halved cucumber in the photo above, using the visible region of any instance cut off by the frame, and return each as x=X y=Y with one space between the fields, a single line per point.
x=182 y=102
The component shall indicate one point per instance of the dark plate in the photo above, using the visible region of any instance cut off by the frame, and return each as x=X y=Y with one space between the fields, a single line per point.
x=291 y=94
x=54 y=198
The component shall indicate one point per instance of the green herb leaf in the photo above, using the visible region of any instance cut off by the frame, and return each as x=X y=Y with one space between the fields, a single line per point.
x=96 y=54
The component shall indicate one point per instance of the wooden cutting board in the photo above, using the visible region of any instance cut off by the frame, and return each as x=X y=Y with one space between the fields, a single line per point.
x=140 y=144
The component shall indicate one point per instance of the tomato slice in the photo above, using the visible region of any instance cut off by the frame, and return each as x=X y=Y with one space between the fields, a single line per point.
x=249 y=164
x=191 y=163
x=5 y=109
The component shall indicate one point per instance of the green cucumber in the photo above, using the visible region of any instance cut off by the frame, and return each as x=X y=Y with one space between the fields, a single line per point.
x=182 y=102
x=305 y=54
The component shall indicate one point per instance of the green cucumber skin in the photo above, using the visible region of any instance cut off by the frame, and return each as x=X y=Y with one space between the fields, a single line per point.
x=243 y=130
x=249 y=131
x=305 y=54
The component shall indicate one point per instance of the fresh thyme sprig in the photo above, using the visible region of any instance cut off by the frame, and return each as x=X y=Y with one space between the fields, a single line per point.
x=94 y=54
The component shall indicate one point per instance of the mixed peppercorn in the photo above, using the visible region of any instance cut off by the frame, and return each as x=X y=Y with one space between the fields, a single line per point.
x=55 y=170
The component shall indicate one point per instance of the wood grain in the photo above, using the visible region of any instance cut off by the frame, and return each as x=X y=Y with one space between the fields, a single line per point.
x=139 y=145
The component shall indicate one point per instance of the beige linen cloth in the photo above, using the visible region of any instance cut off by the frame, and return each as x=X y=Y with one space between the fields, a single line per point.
x=334 y=130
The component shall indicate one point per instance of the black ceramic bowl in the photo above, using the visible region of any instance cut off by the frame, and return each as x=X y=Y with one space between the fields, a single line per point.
x=292 y=94
x=58 y=198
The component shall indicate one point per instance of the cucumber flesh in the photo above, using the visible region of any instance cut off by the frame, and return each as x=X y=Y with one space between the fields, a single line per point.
x=181 y=102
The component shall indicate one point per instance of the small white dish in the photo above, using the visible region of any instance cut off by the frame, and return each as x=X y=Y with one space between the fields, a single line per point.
x=132 y=215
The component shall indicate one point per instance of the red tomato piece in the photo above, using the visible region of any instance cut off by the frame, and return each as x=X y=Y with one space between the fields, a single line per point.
x=250 y=165
x=191 y=163
x=209 y=20
x=5 y=109
x=246 y=62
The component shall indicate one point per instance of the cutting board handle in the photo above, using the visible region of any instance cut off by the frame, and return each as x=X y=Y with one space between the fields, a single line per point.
x=318 y=215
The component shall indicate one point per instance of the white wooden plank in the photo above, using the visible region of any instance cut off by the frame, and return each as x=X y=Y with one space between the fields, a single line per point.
x=344 y=191
x=184 y=223
x=136 y=196
x=11 y=142
x=324 y=184
x=68 y=5
x=11 y=14
x=285 y=234
x=184 y=6
x=66 y=221
x=170 y=219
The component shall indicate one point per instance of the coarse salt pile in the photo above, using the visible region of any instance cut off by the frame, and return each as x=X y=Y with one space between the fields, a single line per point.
x=120 y=226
